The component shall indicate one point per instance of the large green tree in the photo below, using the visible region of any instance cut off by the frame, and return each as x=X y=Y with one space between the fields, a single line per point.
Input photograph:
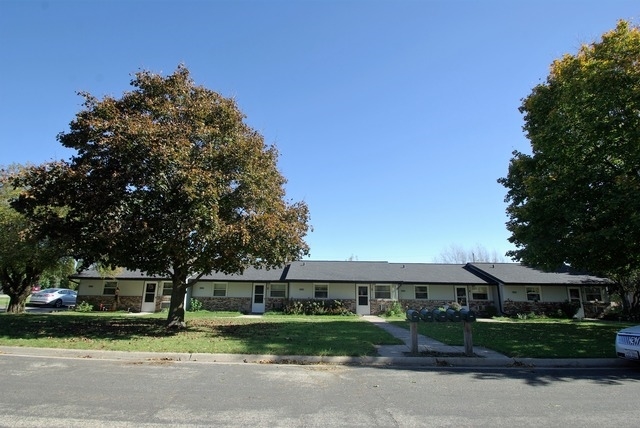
x=25 y=258
x=170 y=180
x=576 y=198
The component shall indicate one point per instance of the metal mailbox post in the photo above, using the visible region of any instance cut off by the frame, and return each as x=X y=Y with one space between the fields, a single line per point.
x=413 y=317
x=465 y=315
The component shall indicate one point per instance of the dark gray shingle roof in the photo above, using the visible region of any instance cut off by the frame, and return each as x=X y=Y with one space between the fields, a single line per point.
x=518 y=274
x=384 y=272
x=380 y=272
x=250 y=274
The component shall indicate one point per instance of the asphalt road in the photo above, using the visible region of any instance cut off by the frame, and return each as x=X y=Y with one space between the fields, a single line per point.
x=77 y=392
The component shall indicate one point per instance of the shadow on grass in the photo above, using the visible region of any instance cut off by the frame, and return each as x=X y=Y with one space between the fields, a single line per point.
x=328 y=337
x=297 y=337
x=62 y=326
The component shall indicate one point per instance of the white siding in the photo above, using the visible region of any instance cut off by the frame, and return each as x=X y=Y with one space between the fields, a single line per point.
x=90 y=287
x=234 y=289
x=554 y=294
x=240 y=289
x=94 y=287
x=302 y=290
x=518 y=293
x=202 y=289
x=441 y=292
x=342 y=291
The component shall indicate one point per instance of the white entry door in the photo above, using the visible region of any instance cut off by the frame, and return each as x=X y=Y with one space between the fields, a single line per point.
x=362 y=300
x=575 y=296
x=461 y=297
x=257 y=303
x=149 y=297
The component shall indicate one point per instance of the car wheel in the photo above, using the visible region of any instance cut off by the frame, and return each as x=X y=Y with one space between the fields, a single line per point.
x=58 y=303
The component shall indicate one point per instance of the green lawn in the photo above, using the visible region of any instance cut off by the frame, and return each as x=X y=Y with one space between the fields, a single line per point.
x=226 y=332
x=206 y=332
x=540 y=338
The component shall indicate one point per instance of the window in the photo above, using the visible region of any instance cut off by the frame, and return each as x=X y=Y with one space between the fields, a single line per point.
x=480 y=293
x=593 y=293
x=422 y=292
x=219 y=289
x=382 y=292
x=278 y=290
x=533 y=294
x=110 y=288
x=320 y=291
x=167 y=288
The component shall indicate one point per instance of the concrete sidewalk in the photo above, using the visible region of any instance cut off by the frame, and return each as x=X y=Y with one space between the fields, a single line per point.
x=425 y=344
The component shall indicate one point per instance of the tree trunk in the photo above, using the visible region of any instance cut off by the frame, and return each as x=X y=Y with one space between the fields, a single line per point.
x=18 y=292
x=16 y=304
x=176 y=308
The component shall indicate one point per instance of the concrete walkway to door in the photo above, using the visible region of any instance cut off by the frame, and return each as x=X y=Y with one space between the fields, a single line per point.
x=425 y=344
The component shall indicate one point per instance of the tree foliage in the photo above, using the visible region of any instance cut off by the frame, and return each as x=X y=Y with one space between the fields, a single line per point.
x=575 y=199
x=25 y=258
x=168 y=179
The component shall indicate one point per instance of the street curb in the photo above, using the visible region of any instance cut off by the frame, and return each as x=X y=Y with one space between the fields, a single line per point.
x=453 y=362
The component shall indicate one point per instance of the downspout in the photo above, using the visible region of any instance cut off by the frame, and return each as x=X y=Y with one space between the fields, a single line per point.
x=187 y=296
x=500 y=302
x=400 y=284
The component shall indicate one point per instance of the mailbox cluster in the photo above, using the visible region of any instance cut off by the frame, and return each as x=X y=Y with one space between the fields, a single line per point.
x=441 y=315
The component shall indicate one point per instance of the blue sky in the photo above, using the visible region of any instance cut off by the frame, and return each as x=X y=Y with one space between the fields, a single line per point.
x=394 y=119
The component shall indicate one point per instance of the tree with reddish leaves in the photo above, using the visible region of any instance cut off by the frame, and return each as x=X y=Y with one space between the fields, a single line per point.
x=170 y=180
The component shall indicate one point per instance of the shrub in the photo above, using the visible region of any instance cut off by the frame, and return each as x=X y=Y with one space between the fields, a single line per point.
x=315 y=307
x=455 y=306
x=84 y=307
x=491 y=311
x=612 y=313
x=394 y=310
x=529 y=316
x=195 y=305
x=569 y=309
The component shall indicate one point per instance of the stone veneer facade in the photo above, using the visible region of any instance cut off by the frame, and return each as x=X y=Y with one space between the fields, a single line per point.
x=478 y=306
x=241 y=304
x=127 y=303
x=377 y=306
x=511 y=308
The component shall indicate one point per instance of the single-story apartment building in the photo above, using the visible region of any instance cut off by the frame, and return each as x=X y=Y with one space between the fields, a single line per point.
x=366 y=288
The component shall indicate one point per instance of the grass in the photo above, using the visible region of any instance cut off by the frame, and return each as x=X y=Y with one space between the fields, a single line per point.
x=206 y=332
x=538 y=338
x=226 y=332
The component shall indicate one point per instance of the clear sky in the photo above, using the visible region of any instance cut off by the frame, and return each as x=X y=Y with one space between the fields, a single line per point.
x=394 y=119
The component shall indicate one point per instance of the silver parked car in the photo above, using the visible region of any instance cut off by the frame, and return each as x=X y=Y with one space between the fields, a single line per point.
x=628 y=343
x=57 y=297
